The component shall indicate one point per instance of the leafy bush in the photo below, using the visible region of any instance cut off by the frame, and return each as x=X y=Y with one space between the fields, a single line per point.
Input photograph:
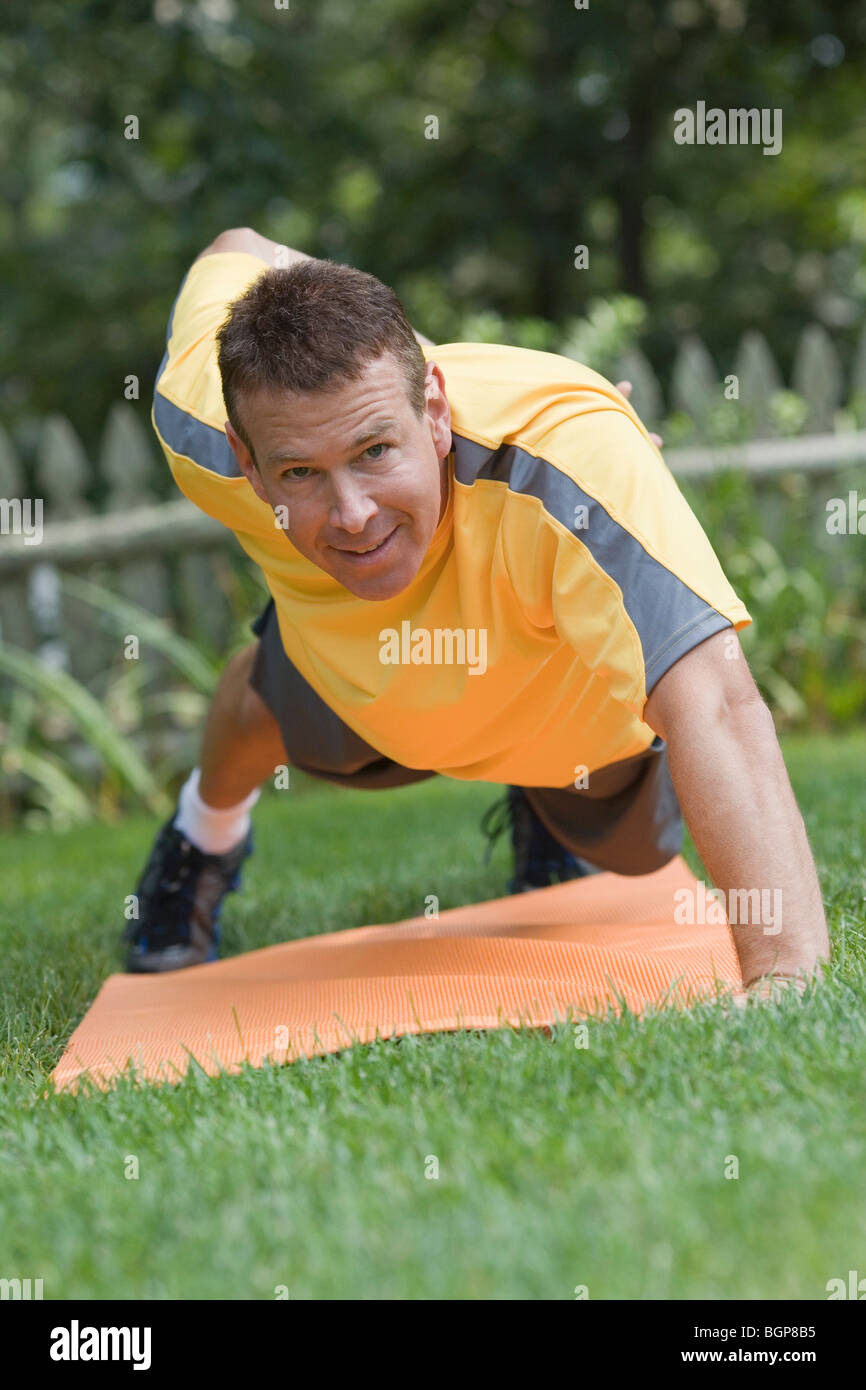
x=807 y=644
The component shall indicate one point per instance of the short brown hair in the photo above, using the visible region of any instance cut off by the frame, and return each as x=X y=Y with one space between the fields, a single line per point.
x=313 y=326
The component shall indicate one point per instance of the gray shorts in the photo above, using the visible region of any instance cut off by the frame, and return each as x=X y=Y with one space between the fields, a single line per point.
x=628 y=820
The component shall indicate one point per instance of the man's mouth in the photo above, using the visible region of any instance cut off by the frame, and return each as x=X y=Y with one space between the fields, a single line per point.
x=368 y=553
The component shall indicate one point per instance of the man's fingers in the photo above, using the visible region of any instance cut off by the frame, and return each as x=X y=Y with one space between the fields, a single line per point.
x=767 y=988
x=624 y=388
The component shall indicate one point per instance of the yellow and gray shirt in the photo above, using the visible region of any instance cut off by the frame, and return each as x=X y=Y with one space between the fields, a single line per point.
x=565 y=542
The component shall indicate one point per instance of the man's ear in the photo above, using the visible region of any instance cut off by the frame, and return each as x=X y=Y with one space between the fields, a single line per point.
x=438 y=410
x=245 y=462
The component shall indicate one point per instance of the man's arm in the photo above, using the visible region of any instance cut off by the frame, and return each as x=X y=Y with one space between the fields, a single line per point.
x=272 y=252
x=254 y=244
x=733 y=788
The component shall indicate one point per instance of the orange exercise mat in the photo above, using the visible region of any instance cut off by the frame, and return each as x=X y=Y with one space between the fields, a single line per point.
x=521 y=960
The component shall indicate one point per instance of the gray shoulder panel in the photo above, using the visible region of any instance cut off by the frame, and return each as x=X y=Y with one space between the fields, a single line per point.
x=182 y=432
x=670 y=618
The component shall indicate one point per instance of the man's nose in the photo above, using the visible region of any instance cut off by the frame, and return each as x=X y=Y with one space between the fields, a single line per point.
x=351 y=508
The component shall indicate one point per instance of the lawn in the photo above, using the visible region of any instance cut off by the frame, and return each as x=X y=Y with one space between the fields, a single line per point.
x=558 y=1166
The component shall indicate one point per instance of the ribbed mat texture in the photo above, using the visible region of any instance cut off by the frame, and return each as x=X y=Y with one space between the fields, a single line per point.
x=523 y=960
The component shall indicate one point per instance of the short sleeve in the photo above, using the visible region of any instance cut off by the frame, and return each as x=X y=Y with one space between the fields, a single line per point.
x=188 y=410
x=188 y=398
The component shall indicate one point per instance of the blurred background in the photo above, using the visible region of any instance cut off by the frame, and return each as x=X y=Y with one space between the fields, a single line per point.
x=462 y=152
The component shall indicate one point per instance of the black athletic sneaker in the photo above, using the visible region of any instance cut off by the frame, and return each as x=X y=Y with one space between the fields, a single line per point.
x=539 y=859
x=180 y=896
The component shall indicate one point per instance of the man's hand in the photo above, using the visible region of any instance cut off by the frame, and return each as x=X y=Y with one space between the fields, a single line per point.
x=771 y=987
x=625 y=388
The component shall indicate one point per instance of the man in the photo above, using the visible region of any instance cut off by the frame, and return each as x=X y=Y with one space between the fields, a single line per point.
x=480 y=567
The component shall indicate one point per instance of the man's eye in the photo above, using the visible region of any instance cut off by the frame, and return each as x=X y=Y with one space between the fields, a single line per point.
x=376 y=446
x=299 y=468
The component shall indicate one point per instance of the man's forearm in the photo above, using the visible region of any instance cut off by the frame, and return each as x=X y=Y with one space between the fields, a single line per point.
x=733 y=788
x=251 y=243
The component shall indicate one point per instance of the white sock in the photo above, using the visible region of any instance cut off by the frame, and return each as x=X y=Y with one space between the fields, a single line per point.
x=214 y=830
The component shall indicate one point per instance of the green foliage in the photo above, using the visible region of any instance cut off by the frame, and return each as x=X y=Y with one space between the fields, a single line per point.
x=130 y=617
x=47 y=709
x=807 y=643
x=600 y=338
x=88 y=717
x=554 y=128
x=788 y=412
x=527 y=332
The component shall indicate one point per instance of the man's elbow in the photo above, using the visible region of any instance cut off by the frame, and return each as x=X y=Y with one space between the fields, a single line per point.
x=707 y=705
x=748 y=708
x=707 y=686
x=742 y=711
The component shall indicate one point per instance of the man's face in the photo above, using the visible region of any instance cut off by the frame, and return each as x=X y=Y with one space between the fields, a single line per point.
x=354 y=467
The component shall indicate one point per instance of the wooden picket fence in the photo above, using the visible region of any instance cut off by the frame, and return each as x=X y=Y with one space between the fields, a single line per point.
x=698 y=385
x=141 y=540
x=163 y=555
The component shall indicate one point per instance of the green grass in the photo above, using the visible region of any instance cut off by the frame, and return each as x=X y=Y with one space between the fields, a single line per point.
x=558 y=1166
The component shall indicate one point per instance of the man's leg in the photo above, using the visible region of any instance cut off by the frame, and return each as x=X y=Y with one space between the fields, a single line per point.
x=242 y=743
x=241 y=746
x=263 y=715
x=198 y=853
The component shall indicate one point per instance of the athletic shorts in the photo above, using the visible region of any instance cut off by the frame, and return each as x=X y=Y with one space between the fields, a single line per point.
x=627 y=820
